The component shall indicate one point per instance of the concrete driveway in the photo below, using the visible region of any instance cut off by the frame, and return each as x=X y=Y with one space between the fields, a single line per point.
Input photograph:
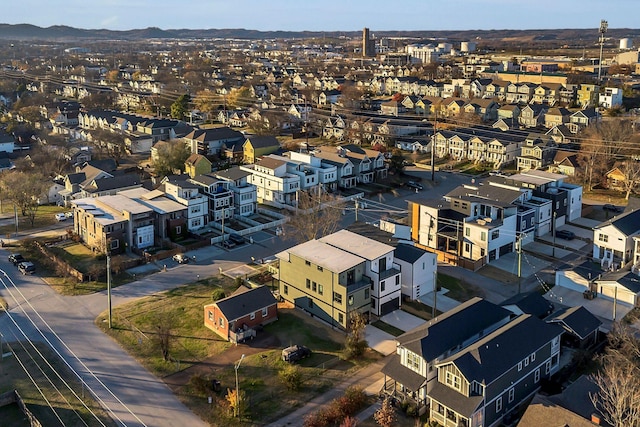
x=402 y=320
x=379 y=340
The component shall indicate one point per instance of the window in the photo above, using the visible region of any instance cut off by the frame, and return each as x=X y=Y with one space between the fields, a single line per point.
x=519 y=366
x=413 y=361
x=252 y=316
x=467 y=231
x=547 y=367
x=536 y=376
x=373 y=304
x=337 y=298
x=308 y=284
x=310 y=303
x=115 y=244
x=452 y=380
x=340 y=318
x=320 y=289
x=366 y=294
x=307 y=262
x=286 y=289
x=221 y=322
x=313 y=286
x=499 y=404
x=211 y=315
x=482 y=252
x=532 y=357
x=603 y=237
x=512 y=394
x=495 y=234
x=467 y=247
x=397 y=280
x=557 y=204
x=526 y=361
x=382 y=286
x=320 y=268
x=265 y=312
x=179 y=229
x=350 y=299
x=483 y=236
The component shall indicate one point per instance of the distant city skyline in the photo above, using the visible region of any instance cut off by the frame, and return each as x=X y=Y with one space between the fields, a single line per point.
x=326 y=15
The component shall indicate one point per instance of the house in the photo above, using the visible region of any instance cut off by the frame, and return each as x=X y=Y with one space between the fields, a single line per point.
x=488 y=379
x=211 y=141
x=325 y=281
x=197 y=164
x=556 y=116
x=180 y=189
x=532 y=115
x=410 y=373
x=275 y=185
x=529 y=303
x=613 y=239
x=236 y=317
x=220 y=196
x=113 y=223
x=581 y=327
x=255 y=147
x=380 y=268
x=616 y=178
x=418 y=270
x=610 y=98
x=244 y=194
x=536 y=152
x=346 y=177
x=7 y=142
x=583 y=118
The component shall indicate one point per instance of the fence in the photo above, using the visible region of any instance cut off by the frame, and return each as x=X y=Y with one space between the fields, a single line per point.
x=60 y=264
x=13 y=396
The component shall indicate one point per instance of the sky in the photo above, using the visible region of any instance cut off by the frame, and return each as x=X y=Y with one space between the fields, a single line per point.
x=324 y=15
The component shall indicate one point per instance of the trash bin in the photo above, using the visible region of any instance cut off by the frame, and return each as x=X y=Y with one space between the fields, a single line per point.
x=215 y=385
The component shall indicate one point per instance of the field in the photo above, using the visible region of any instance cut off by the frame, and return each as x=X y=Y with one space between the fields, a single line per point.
x=198 y=356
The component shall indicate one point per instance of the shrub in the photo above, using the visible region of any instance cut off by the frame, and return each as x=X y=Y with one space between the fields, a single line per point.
x=291 y=377
x=217 y=294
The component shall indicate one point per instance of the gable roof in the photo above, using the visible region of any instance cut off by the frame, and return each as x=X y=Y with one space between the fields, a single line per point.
x=530 y=303
x=264 y=141
x=577 y=320
x=445 y=332
x=240 y=304
x=627 y=222
x=408 y=253
x=487 y=359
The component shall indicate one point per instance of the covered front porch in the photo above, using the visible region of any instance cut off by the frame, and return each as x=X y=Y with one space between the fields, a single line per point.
x=402 y=383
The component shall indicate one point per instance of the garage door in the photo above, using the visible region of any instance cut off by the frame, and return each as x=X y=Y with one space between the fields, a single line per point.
x=506 y=249
x=390 y=306
x=623 y=295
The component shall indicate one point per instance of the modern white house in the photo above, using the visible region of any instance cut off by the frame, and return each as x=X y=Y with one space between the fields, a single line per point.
x=613 y=241
x=275 y=185
x=176 y=187
x=610 y=98
x=418 y=270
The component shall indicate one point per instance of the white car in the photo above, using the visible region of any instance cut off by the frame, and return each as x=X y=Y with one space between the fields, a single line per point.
x=61 y=217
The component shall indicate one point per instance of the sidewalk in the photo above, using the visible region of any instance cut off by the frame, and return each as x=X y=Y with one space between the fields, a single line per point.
x=369 y=378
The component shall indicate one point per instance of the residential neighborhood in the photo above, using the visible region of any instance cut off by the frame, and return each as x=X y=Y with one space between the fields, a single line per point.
x=321 y=230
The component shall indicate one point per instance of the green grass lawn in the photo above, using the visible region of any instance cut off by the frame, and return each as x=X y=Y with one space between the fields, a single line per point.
x=390 y=329
x=202 y=354
x=45 y=216
x=13 y=377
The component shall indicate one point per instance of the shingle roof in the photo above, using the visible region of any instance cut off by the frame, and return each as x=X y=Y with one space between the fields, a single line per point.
x=263 y=141
x=465 y=406
x=408 y=253
x=396 y=370
x=530 y=303
x=577 y=320
x=239 y=305
x=487 y=359
x=627 y=222
x=445 y=332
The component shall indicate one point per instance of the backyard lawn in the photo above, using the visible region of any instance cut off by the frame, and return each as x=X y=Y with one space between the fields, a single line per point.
x=44 y=216
x=198 y=355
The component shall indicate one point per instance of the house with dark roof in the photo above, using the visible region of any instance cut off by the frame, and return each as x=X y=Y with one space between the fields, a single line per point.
x=581 y=327
x=211 y=141
x=418 y=270
x=255 y=147
x=613 y=239
x=245 y=198
x=492 y=377
x=411 y=373
x=236 y=318
x=529 y=303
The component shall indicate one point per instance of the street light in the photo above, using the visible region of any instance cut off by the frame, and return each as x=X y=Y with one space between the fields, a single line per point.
x=237 y=408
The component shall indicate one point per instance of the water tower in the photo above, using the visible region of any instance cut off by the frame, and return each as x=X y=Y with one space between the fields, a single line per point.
x=625 y=44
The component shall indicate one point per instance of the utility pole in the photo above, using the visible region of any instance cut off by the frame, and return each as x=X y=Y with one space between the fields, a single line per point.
x=109 y=287
x=615 y=302
x=604 y=25
x=433 y=147
x=519 y=249
x=435 y=294
x=553 y=228
x=356 y=210
x=237 y=408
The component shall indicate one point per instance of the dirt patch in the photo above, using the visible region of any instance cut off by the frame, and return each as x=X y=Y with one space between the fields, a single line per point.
x=262 y=342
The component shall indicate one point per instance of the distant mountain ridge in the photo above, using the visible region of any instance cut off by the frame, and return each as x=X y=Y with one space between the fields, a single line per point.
x=63 y=32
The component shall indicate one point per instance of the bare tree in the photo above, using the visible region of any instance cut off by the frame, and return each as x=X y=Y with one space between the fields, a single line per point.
x=164 y=327
x=355 y=343
x=318 y=214
x=630 y=169
x=618 y=381
x=24 y=190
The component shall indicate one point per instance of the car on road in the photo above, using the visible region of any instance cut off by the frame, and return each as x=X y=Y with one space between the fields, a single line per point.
x=236 y=238
x=16 y=259
x=61 y=217
x=26 y=267
x=295 y=353
x=181 y=258
x=414 y=185
x=565 y=234
x=611 y=208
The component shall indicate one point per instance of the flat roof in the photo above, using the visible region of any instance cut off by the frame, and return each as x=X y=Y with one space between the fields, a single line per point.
x=324 y=255
x=356 y=244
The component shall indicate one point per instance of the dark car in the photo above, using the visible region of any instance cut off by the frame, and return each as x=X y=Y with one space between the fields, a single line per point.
x=16 y=259
x=236 y=238
x=611 y=208
x=228 y=244
x=26 y=267
x=295 y=353
x=565 y=234
x=414 y=185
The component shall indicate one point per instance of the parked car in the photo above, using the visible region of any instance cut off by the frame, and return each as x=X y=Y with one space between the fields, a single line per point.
x=295 y=353
x=16 y=259
x=61 y=217
x=565 y=234
x=236 y=238
x=228 y=244
x=26 y=267
x=181 y=258
x=68 y=214
x=611 y=208
x=414 y=185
